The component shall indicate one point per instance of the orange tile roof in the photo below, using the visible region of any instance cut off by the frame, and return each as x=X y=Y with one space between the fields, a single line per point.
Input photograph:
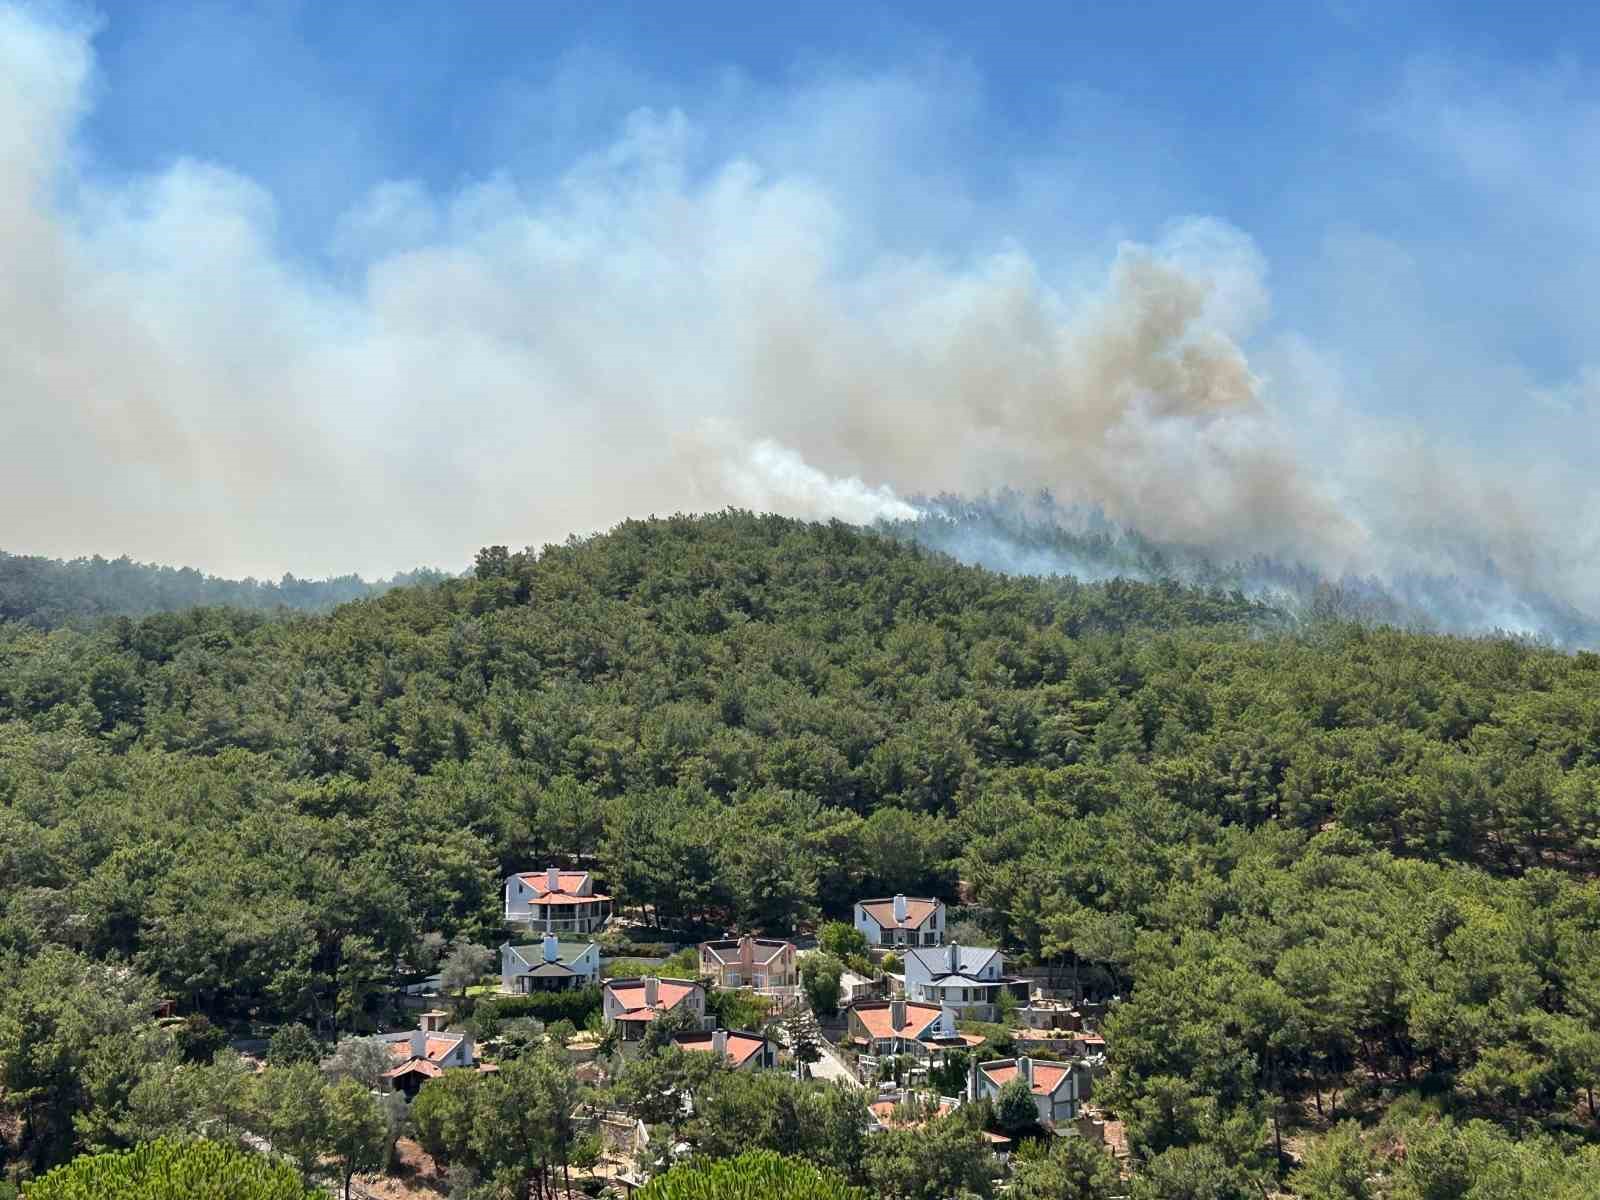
x=564 y=898
x=566 y=881
x=742 y=1047
x=630 y=994
x=882 y=911
x=878 y=1019
x=435 y=1048
x=417 y=1066
x=1047 y=1077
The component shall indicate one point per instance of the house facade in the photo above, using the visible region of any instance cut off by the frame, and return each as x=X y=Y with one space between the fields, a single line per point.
x=1056 y=1086
x=741 y=1050
x=900 y=921
x=556 y=901
x=968 y=979
x=764 y=964
x=883 y=1027
x=425 y=1053
x=631 y=1004
x=548 y=965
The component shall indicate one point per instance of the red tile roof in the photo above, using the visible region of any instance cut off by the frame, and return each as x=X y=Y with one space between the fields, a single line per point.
x=742 y=1047
x=1047 y=1077
x=882 y=911
x=415 y=1066
x=569 y=884
x=629 y=994
x=437 y=1047
x=878 y=1019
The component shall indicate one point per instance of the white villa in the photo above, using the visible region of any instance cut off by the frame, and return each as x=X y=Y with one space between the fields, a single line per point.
x=556 y=901
x=968 y=979
x=550 y=965
x=901 y=920
x=1058 y=1087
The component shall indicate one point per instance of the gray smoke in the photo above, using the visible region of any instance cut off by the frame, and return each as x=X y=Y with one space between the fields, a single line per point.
x=652 y=334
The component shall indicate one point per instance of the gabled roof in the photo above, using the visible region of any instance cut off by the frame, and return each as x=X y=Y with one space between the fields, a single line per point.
x=878 y=1018
x=741 y=1047
x=567 y=953
x=766 y=949
x=415 y=1066
x=882 y=911
x=568 y=886
x=961 y=981
x=970 y=960
x=629 y=994
x=1048 y=1077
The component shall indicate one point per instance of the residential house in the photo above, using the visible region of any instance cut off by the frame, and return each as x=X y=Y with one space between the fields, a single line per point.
x=882 y=1027
x=550 y=965
x=764 y=964
x=741 y=1050
x=631 y=1004
x=426 y=1053
x=968 y=979
x=1057 y=1086
x=556 y=901
x=901 y=921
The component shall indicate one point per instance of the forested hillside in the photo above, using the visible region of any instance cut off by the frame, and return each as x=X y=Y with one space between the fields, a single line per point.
x=46 y=592
x=1335 y=872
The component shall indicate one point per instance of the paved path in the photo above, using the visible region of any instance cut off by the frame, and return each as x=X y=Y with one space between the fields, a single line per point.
x=830 y=1066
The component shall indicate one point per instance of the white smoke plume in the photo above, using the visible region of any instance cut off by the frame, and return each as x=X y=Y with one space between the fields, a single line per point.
x=652 y=333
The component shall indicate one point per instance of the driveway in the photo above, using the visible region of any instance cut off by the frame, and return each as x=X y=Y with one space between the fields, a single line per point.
x=830 y=1066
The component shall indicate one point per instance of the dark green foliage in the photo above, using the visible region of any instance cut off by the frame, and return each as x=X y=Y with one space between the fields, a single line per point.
x=171 y=1171
x=753 y=1175
x=819 y=975
x=48 y=592
x=292 y=1044
x=575 y=1006
x=1014 y=1107
x=1343 y=859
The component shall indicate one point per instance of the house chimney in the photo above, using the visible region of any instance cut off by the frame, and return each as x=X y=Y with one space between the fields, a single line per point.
x=719 y=1042
x=954 y=950
x=747 y=949
x=1025 y=1069
x=652 y=991
x=552 y=947
x=900 y=907
x=897 y=1015
x=552 y=879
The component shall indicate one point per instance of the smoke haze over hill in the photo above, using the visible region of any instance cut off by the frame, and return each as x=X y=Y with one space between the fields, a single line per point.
x=697 y=313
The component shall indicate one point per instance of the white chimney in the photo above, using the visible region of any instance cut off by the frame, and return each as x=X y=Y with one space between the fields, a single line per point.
x=1025 y=1069
x=954 y=949
x=719 y=1042
x=552 y=879
x=552 y=947
x=897 y=1015
x=652 y=991
x=900 y=908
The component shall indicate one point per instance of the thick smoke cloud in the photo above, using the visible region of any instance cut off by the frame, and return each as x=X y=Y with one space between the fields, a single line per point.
x=656 y=332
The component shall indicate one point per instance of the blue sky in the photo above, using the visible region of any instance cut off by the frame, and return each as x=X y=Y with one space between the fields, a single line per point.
x=661 y=256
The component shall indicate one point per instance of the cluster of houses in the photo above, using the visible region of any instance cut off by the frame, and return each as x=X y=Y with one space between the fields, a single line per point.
x=942 y=984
